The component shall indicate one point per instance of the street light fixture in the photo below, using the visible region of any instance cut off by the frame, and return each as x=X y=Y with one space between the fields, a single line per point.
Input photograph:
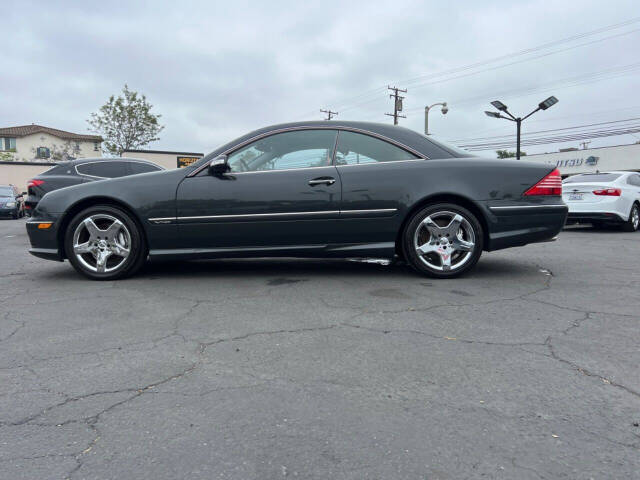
x=549 y=102
x=499 y=105
x=444 y=111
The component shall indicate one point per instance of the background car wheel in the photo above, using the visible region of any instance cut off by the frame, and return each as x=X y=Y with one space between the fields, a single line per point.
x=633 y=223
x=104 y=243
x=443 y=240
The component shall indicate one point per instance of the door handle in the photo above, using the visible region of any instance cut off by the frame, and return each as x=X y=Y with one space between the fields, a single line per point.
x=322 y=181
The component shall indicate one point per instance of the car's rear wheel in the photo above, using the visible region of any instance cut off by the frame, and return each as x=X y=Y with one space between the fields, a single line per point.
x=633 y=223
x=104 y=243
x=443 y=240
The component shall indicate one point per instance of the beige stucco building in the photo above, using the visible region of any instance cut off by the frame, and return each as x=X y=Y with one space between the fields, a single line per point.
x=29 y=143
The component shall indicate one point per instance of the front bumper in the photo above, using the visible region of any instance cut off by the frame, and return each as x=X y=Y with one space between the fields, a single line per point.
x=44 y=242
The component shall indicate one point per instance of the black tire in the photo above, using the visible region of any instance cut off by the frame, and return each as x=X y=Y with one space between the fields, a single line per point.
x=470 y=231
x=135 y=243
x=633 y=223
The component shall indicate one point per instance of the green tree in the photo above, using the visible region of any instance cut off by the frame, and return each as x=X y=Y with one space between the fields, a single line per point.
x=508 y=154
x=125 y=122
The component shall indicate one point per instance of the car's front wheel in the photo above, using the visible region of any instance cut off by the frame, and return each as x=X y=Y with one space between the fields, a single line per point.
x=104 y=243
x=443 y=240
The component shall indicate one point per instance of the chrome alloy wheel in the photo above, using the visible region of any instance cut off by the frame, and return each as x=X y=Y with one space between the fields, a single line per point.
x=635 y=217
x=444 y=241
x=101 y=243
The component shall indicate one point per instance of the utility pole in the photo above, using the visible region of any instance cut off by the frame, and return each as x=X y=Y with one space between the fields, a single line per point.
x=584 y=145
x=397 y=103
x=329 y=113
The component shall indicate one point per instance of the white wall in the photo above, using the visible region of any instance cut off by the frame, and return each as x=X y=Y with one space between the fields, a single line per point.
x=622 y=157
x=19 y=174
x=26 y=147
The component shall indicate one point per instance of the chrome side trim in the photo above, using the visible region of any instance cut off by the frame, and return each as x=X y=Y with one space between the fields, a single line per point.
x=232 y=174
x=373 y=210
x=164 y=220
x=381 y=163
x=337 y=128
x=259 y=215
x=520 y=207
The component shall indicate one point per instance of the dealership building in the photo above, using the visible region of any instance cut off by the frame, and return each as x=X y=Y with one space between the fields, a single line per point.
x=572 y=161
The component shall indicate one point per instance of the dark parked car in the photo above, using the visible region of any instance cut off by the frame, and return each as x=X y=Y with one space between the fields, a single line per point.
x=311 y=189
x=11 y=202
x=80 y=171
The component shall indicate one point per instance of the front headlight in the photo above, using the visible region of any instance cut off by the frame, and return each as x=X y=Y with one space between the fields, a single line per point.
x=10 y=204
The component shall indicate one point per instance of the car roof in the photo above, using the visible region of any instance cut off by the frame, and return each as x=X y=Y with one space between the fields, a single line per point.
x=80 y=161
x=404 y=136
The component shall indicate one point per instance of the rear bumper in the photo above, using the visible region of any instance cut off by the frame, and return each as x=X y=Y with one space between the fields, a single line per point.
x=614 y=217
x=518 y=225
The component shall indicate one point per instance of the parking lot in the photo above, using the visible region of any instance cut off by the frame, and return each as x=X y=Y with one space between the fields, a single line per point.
x=527 y=368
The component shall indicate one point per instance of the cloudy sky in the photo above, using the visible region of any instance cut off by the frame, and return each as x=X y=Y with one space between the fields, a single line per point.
x=216 y=70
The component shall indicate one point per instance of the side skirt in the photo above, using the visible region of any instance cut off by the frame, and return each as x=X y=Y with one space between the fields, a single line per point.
x=377 y=250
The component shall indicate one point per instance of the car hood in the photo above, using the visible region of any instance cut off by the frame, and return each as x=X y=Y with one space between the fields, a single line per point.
x=157 y=186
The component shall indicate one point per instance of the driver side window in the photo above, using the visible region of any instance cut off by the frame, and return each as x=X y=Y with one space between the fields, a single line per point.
x=283 y=151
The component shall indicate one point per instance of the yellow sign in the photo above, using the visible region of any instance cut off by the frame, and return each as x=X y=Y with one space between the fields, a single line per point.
x=186 y=161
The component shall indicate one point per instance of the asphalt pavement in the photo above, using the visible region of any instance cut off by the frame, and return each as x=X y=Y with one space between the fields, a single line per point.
x=527 y=368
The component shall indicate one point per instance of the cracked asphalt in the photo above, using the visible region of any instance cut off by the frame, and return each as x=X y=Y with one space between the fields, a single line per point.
x=525 y=369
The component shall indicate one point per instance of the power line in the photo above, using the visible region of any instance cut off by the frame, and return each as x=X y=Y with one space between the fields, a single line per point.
x=588 y=125
x=531 y=50
x=329 y=113
x=568 y=82
x=424 y=84
x=397 y=103
x=347 y=103
x=588 y=114
x=555 y=139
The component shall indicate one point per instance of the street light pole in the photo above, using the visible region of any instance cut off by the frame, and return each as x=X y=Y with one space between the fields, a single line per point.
x=445 y=109
x=518 y=123
x=503 y=108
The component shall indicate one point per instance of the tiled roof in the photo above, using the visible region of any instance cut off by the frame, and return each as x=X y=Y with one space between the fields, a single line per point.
x=24 y=130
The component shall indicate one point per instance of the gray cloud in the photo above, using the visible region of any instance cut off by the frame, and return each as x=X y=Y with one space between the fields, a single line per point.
x=215 y=70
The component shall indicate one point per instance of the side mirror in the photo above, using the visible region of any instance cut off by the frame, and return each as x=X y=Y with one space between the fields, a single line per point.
x=218 y=166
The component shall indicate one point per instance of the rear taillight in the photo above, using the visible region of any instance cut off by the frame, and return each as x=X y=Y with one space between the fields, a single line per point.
x=610 y=192
x=549 y=185
x=34 y=182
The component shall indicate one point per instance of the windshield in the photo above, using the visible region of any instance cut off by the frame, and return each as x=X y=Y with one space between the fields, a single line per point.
x=6 y=192
x=592 y=177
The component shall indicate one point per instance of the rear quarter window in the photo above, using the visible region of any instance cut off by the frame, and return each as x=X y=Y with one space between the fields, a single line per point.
x=104 y=169
x=140 y=167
